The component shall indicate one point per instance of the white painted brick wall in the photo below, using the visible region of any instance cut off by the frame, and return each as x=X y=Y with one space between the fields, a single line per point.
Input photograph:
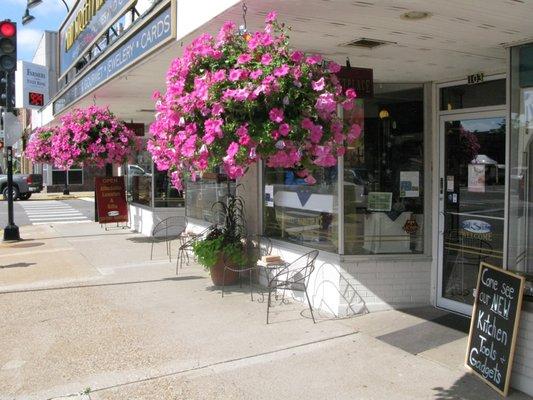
x=350 y=287
x=388 y=284
x=522 y=373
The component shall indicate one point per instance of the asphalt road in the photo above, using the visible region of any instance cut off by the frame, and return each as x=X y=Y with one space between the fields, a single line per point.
x=33 y=212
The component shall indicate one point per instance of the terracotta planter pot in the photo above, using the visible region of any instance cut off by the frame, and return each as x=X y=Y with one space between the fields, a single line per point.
x=217 y=273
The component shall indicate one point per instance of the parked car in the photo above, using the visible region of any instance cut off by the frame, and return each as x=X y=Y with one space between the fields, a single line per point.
x=24 y=185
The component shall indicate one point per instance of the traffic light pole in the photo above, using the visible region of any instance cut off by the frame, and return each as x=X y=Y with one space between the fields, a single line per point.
x=11 y=231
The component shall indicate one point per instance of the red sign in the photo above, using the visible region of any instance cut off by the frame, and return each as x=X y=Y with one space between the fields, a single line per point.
x=360 y=79
x=111 y=199
x=36 y=99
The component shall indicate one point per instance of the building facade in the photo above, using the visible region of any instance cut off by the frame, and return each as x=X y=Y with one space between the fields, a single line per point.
x=439 y=181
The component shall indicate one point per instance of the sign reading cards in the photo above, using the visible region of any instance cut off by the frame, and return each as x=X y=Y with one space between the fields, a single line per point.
x=111 y=199
x=494 y=326
x=31 y=85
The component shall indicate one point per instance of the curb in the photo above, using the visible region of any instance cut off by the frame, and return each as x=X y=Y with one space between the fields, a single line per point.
x=58 y=197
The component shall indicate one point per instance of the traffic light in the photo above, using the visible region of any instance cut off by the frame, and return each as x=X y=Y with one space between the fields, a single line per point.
x=8 y=46
x=7 y=90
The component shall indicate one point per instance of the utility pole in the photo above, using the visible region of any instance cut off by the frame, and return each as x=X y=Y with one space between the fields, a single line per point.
x=8 y=65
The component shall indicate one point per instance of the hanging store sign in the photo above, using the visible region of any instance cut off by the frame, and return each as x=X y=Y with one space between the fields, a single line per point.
x=87 y=21
x=111 y=199
x=136 y=127
x=151 y=36
x=360 y=79
x=494 y=326
x=31 y=85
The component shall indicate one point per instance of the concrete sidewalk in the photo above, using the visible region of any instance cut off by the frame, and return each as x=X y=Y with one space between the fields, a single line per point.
x=82 y=309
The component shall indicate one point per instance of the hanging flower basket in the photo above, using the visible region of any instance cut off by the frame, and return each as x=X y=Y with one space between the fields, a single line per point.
x=239 y=96
x=39 y=147
x=92 y=136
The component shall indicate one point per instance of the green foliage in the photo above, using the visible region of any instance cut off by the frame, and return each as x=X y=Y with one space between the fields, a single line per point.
x=226 y=240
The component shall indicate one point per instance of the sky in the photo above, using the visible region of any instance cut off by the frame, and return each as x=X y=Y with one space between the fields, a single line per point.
x=48 y=16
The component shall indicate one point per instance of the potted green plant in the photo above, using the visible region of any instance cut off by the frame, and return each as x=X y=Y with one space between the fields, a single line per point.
x=225 y=244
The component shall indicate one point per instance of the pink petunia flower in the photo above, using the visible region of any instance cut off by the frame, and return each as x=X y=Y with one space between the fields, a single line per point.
x=276 y=115
x=266 y=59
x=318 y=85
x=271 y=17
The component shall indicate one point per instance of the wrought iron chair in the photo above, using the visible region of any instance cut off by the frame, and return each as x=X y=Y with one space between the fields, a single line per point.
x=171 y=227
x=293 y=277
x=256 y=246
x=186 y=245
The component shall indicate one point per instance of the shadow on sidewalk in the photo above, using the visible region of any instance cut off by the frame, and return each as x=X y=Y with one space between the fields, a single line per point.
x=177 y=278
x=17 y=265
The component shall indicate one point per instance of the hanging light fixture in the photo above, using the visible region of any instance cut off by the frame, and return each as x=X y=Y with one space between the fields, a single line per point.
x=384 y=113
x=33 y=3
x=27 y=18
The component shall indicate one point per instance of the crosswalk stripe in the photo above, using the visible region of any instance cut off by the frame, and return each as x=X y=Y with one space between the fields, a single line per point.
x=53 y=212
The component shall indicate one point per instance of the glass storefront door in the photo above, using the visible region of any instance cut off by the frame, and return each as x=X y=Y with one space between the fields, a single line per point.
x=472 y=203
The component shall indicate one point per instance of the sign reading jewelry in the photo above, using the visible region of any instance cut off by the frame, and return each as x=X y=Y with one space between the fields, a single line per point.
x=86 y=22
x=150 y=36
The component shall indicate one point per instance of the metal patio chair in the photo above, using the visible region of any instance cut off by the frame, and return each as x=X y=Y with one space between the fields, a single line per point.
x=257 y=246
x=186 y=245
x=294 y=277
x=169 y=229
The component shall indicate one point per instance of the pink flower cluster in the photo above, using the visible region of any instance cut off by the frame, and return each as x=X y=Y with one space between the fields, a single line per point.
x=39 y=147
x=92 y=136
x=235 y=97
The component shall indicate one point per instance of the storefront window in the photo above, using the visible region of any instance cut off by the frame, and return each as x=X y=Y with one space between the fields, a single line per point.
x=384 y=173
x=202 y=194
x=139 y=179
x=301 y=213
x=165 y=195
x=520 y=232
x=488 y=93
x=75 y=176
x=383 y=184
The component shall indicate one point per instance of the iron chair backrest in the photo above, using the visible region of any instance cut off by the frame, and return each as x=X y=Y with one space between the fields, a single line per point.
x=178 y=223
x=295 y=273
x=200 y=236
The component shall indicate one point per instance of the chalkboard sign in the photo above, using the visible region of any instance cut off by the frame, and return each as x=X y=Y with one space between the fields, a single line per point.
x=494 y=325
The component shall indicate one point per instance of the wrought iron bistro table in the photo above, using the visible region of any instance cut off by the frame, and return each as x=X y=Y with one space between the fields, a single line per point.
x=270 y=271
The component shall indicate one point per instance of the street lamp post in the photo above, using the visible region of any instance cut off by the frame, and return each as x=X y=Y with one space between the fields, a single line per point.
x=27 y=18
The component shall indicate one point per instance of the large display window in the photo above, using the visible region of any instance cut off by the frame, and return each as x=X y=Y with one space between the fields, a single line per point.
x=382 y=184
x=300 y=213
x=202 y=194
x=142 y=177
x=384 y=173
x=520 y=231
